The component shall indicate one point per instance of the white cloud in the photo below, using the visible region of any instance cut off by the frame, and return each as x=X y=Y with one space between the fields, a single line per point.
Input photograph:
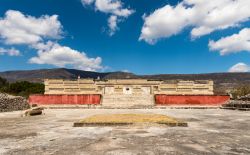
x=202 y=16
x=17 y=28
x=232 y=44
x=240 y=67
x=62 y=56
x=87 y=2
x=112 y=23
x=10 y=52
x=112 y=7
x=126 y=71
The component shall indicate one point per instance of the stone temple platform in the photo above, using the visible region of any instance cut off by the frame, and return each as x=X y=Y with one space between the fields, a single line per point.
x=127 y=93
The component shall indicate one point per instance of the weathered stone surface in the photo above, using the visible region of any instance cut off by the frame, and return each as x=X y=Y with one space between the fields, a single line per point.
x=245 y=98
x=125 y=101
x=237 y=105
x=128 y=86
x=34 y=111
x=12 y=103
x=209 y=132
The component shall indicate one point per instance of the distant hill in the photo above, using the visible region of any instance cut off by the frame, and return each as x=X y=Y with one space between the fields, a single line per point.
x=223 y=81
x=60 y=73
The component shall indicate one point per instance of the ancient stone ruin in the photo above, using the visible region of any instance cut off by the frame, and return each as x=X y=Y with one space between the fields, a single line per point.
x=128 y=93
x=242 y=103
x=12 y=103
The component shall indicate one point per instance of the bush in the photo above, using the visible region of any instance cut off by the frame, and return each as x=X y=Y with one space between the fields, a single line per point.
x=240 y=91
x=3 y=82
x=22 y=88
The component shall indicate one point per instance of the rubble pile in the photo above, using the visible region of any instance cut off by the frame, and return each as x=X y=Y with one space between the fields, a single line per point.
x=243 y=103
x=245 y=98
x=12 y=103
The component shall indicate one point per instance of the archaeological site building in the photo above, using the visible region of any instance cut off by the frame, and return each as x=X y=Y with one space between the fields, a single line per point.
x=127 y=93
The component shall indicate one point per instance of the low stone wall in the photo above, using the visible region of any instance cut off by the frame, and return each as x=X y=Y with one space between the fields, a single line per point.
x=64 y=99
x=237 y=104
x=12 y=103
x=203 y=100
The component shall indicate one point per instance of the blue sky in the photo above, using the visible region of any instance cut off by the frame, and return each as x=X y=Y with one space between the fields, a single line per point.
x=147 y=37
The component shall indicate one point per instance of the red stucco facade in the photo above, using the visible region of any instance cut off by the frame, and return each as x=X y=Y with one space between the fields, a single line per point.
x=64 y=99
x=161 y=99
x=215 y=100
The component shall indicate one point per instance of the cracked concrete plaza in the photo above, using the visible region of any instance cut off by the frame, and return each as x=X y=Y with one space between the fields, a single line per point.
x=209 y=131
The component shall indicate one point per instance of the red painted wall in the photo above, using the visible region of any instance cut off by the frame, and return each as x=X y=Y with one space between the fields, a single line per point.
x=191 y=99
x=64 y=99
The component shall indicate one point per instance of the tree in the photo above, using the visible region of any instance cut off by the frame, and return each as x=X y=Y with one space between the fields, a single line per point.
x=3 y=82
x=241 y=91
x=21 y=88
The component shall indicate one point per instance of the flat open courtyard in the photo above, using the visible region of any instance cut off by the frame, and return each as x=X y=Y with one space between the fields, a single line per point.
x=209 y=131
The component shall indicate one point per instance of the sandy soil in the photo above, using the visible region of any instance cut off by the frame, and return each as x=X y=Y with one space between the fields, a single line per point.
x=210 y=131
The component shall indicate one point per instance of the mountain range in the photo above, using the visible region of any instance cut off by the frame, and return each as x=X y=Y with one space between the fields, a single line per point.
x=223 y=81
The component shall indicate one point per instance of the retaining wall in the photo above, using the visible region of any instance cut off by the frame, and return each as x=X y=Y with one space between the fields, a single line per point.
x=64 y=99
x=213 y=100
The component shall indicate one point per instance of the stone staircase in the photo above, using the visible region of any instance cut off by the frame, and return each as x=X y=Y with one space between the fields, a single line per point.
x=127 y=101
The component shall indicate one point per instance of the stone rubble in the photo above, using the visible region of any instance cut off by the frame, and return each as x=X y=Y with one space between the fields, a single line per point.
x=245 y=98
x=34 y=111
x=243 y=103
x=12 y=103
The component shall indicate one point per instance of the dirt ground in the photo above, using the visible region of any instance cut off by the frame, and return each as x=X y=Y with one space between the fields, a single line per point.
x=209 y=131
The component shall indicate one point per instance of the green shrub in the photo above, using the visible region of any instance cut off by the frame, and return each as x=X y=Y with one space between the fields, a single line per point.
x=3 y=82
x=21 y=88
x=241 y=91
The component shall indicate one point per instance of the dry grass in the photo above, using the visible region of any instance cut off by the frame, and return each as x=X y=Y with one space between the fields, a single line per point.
x=123 y=119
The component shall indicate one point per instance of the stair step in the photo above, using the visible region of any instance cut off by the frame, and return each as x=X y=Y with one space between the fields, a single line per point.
x=127 y=100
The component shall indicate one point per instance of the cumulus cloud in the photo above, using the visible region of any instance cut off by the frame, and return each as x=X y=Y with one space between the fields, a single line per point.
x=202 y=16
x=112 y=7
x=10 y=52
x=17 y=28
x=63 y=56
x=240 y=67
x=41 y=34
x=232 y=44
